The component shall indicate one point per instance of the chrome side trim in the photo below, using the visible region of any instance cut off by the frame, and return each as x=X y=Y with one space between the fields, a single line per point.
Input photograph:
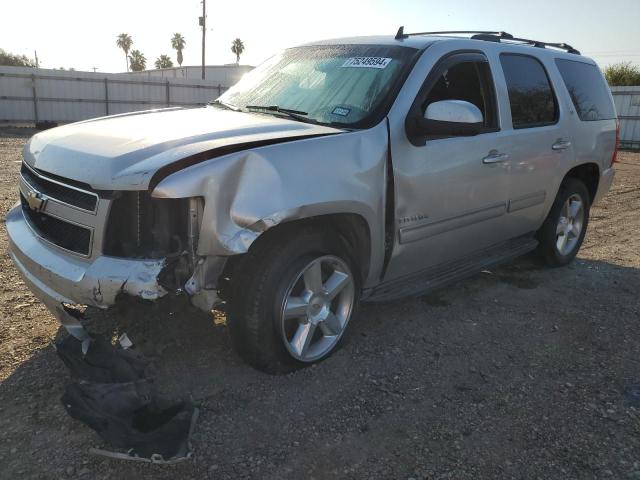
x=526 y=201
x=419 y=232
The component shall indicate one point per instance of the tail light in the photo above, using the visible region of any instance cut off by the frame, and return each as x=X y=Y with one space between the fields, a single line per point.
x=614 y=157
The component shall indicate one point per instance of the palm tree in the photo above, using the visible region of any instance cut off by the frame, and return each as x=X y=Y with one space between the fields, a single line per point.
x=164 y=61
x=138 y=61
x=124 y=42
x=178 y=43
x=237 y=47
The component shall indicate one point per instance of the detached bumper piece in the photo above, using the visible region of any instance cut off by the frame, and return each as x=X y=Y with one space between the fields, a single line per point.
x=102 y=362
x=113 y=398
x=128 y=416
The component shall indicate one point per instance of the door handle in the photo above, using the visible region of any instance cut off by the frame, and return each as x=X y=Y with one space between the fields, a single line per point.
x=495 y=157
x=561 y=144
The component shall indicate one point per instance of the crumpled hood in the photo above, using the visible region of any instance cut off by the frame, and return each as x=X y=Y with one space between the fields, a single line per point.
x=123 y=152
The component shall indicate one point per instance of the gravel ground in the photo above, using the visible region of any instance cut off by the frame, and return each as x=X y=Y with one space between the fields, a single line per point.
x=519 y=372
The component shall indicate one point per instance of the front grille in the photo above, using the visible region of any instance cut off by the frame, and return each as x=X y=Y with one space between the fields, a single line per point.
x=84 y=200
x=63 y=234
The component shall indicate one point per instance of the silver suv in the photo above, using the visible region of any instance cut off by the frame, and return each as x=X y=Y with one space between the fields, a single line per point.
x=336 y=172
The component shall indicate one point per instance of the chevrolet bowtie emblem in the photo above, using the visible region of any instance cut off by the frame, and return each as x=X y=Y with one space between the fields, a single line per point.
x=35 y=201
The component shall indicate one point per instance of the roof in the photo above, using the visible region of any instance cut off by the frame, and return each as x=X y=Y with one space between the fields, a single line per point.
x=421 y=42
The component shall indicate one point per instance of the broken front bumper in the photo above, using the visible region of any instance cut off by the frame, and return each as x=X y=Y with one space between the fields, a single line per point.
x=57 y=277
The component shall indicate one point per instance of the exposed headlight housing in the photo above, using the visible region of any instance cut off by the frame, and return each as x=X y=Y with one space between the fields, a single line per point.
x=140 y=226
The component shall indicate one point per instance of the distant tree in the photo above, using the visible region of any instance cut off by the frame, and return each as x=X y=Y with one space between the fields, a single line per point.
x=178 y=43
x=164 y=61
x=13 y=60
x=622 y=74
x=125 y=42
x=137 y=60
x=237 y=47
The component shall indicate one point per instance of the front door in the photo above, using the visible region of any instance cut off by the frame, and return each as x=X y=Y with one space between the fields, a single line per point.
x=451 y=193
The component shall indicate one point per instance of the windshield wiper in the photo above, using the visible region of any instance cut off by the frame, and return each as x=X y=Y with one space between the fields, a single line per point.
x=226 y=105
x=295 y=114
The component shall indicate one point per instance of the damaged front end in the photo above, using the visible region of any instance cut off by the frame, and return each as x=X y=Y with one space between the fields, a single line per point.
x=139 y=246
x=141 y=226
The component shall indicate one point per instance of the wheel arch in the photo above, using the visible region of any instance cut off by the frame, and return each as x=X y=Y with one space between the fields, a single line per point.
x=352 y=230
x=589 y=174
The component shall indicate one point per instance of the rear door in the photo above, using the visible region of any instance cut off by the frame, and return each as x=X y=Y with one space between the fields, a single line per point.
x=591 y=106
x=540 y=139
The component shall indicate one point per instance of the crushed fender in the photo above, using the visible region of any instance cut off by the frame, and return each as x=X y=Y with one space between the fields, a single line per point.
x=114 y=398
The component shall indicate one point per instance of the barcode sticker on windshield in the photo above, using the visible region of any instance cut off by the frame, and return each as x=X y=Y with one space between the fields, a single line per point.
x=367 y=62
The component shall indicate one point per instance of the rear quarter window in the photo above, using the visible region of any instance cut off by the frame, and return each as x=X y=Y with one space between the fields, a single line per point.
x=588 y=90
x=532 y=101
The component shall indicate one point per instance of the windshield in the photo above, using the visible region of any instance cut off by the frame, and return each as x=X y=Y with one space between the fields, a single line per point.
x=350 y=85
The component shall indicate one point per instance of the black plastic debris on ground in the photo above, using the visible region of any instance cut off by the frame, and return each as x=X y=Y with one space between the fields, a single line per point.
x=114 y=399
x=103 y=363
x=127 y=416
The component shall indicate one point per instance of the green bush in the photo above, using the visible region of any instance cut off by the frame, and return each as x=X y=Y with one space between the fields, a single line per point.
x=622 y=74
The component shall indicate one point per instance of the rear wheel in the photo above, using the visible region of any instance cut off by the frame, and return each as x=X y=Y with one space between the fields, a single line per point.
x=293 y=296
x=563 y=231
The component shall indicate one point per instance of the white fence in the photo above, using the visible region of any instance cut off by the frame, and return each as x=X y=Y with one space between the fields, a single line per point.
x=627 y=100
x=37 y=95
x=223 y=74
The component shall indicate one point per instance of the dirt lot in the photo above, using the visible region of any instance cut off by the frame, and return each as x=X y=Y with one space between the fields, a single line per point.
x=519 y=372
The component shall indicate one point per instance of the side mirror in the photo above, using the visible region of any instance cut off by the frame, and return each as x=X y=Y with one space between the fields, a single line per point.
x=452 y=118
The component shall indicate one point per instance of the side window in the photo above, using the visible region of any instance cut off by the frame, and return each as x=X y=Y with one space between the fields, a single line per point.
x=468 y=81
x=588 y=90
x=532 y=101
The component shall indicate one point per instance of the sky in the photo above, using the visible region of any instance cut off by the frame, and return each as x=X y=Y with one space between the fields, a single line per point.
x=81 y=34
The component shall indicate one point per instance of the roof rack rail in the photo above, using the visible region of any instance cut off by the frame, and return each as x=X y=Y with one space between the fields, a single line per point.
x=491 y=36
x=400 y=34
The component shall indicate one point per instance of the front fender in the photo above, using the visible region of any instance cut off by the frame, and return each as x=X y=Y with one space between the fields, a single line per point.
x=248 y=192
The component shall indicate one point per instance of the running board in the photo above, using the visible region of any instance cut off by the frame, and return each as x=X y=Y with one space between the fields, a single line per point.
x=439 y=275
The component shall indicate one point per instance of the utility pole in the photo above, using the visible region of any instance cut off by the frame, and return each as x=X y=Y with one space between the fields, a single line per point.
x=35 y=52
x=203 y=24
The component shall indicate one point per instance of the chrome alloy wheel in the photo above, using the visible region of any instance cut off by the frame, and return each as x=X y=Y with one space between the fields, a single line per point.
x=570 y=224
x=316 y=308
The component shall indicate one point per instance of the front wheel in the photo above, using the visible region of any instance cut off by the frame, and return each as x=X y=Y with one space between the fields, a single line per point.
x=564 y=229
x=293 y=297
x=316 y=307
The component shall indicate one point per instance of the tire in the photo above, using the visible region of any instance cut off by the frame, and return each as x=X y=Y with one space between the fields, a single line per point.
x=569 y=211
x=273 y=271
